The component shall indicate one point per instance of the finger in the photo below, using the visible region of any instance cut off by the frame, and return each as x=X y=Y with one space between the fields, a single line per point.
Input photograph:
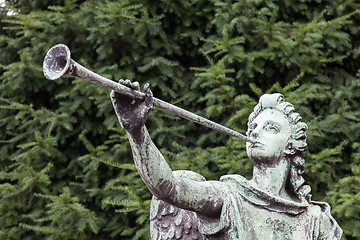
x=112 y=96
x=135 y=86
x=149 y=100
x=147 y=90
x=127 y=83
x=114 y=102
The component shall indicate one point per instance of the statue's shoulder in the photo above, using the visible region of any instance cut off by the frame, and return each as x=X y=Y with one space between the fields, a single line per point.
x=320 y=209
x=328 y=227
x=170 y=222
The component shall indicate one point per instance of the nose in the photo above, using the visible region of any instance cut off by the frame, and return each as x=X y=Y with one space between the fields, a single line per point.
x=254 y=133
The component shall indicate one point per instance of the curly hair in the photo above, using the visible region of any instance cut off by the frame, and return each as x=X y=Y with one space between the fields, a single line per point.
x=296 y=143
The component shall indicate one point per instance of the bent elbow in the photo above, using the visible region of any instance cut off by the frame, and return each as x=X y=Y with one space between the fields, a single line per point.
x=165 y=190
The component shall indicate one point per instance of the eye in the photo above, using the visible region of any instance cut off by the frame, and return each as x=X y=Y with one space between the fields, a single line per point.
x=271 y=127
x=251 y=128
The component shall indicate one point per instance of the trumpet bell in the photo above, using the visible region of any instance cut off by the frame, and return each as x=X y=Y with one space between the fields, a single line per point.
x=56 y=62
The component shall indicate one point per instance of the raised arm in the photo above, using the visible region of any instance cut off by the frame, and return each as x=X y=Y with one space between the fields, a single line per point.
x=151 y=165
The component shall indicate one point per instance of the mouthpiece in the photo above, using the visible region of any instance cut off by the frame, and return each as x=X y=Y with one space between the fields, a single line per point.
x=56 y=62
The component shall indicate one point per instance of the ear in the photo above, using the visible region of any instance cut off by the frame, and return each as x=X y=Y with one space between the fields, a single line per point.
x=289 y=149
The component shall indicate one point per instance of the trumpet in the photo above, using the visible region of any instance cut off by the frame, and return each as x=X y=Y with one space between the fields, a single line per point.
x=58 y=62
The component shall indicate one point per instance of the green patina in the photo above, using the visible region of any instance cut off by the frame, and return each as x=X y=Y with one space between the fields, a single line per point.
x=274 y=204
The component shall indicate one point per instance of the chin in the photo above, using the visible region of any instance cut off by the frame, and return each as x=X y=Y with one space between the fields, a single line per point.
x=263 y=159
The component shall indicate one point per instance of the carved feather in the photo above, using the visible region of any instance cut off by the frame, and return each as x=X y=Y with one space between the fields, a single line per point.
x=168 y=222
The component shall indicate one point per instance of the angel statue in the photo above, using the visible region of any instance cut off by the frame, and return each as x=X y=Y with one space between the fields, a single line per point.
x=275 y=204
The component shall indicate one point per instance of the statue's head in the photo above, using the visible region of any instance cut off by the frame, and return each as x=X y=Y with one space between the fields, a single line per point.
x=278 y=134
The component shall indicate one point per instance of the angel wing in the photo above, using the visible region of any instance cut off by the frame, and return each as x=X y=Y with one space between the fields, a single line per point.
x=168 y=222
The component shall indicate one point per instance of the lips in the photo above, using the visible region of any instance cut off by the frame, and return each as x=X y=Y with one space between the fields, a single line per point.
x=256 y=145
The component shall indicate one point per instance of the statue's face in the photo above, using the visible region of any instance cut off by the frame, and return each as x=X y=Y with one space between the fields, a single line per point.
x=271 y=131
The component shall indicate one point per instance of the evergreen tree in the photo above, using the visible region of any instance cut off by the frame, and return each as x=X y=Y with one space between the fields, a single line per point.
x=66 y=168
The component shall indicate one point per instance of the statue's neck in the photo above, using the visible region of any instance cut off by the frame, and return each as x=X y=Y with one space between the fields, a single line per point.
x=272 y=179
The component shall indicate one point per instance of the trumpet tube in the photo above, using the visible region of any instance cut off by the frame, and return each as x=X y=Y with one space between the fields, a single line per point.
x=58 y=62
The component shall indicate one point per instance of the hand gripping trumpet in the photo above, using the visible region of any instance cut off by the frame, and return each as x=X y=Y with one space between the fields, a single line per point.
x=58 y=62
